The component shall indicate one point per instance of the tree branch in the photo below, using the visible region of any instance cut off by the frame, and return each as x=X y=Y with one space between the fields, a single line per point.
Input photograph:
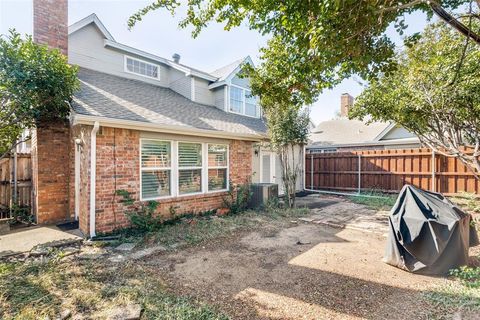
x=452 y=21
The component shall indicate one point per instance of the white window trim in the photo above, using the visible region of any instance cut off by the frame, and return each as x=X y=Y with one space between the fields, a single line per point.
x=202 y=168
x=142 y=169
x=244 y=102
x=220 y=167
x=175 y=168
x=138 y=74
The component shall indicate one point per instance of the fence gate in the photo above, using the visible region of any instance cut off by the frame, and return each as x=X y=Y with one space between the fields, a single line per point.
x=15 y=183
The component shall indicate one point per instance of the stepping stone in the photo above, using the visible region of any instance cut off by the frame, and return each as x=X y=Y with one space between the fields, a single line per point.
x=117 y=258
x=147 y=252
x=90 y=256
x=127 y=246
x=128 y=312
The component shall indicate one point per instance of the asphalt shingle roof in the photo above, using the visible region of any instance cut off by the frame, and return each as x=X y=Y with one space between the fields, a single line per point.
x=345 y=131
x=115 y=97
x=223 y=72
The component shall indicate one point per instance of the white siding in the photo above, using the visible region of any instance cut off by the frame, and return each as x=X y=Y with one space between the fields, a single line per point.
x=219 y=96
x=398 y=133
x=86 y=49
x=242 y=82
x=257 y=171
x=181 y=83
x=202 y=93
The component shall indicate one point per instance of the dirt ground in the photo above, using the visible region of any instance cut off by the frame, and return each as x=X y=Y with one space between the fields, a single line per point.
x=302 y=271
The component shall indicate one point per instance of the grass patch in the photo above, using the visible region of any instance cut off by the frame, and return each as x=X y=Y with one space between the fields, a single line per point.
x=453 y=297
x=461 y=294
x=90 y=289
x=375 y=200
x=195 y=230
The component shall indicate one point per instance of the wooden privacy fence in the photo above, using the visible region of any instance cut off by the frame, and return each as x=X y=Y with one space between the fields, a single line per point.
x=388 y=170
x=21 y=171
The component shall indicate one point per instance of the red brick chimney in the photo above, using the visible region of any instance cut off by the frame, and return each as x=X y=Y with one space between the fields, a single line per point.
x=346 y=102
x=51 y=141
x=50 y=23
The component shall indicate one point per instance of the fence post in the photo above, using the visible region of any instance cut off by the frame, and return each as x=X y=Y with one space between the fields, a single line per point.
x=359 y=173
x=311 y=171
x=15 y=177
x=433 y=171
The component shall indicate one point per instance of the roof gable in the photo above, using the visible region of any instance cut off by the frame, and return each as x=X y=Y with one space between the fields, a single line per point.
x=88 y=20
x=226 y=73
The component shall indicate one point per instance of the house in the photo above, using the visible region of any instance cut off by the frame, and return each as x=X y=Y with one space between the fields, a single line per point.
x=343 y=134
x=152 y=126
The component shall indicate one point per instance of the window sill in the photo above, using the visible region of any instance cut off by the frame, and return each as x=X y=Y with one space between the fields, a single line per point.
x=183 y=197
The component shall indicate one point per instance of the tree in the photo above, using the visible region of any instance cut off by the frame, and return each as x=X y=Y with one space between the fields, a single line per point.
x=288 y=131
x=315 y=44
x=36 y=85
x=434 y=93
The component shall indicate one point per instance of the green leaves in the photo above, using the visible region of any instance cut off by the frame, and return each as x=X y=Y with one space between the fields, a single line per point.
x=313 y=45
x=433 y=92
x=36 y=85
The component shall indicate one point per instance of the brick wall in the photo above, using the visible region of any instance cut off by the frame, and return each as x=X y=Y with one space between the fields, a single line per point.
x=118 y=167
x=50 y=23
x=51 y=141
x=51 y=172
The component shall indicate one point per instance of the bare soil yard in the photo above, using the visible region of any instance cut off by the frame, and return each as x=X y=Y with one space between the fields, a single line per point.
x=256 y=265
x=265 y=274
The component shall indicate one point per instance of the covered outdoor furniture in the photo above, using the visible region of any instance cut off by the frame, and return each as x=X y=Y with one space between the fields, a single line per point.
x=428 y=234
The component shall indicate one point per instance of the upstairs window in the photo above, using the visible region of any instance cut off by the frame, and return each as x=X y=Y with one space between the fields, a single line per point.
x=142 y=68
x=251 y=108
x=242 y=102
x=236 y=100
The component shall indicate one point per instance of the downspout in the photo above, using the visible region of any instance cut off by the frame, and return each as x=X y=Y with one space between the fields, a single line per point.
x=93 y=178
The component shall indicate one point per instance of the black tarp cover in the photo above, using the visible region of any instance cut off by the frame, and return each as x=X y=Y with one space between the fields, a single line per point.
x=428 y=233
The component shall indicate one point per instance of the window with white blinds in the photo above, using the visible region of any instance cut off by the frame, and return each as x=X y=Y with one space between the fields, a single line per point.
x=189 y=167
x=155 y=169
x=174 y=168
x=217 y=167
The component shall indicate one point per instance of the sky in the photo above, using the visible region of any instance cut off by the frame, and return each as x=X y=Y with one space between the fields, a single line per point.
x=158 y=33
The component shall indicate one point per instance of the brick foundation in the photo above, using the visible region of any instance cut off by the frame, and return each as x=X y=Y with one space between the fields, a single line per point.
x=118 y=167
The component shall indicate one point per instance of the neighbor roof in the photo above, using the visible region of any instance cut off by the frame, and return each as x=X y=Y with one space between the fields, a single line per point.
x=107 y=96
x=345 y=131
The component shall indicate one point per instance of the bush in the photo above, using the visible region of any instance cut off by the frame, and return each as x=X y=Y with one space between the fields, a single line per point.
x=21 y=214
x=142 y=216
x=238 y=197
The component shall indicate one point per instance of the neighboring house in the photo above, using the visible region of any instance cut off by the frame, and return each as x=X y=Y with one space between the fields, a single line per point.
x=145 y=124
x=343 y=134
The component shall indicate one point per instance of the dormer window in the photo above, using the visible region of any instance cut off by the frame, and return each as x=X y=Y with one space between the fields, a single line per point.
x=242 y=102
x=142 y=68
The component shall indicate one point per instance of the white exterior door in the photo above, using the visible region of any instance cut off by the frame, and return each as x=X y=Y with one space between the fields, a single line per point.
x=267 y=167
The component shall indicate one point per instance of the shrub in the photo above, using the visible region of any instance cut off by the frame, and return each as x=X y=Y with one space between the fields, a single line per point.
x=238 y=197
x=142 y=215
x=21 y=214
